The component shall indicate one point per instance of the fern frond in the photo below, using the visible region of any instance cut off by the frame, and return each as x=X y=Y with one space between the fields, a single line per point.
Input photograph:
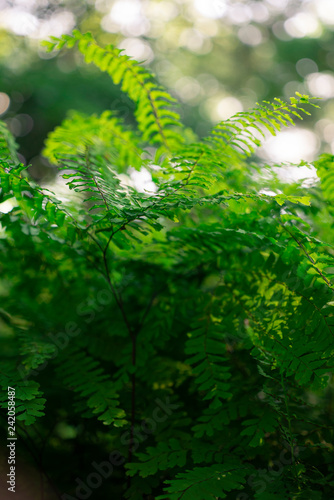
x=209 y=360
x=8 y=146
x=232 y=141
x=28 y=396
x=166 y=455
x=39 y=208
x=206 y=483
x=256 y=428
x=119 y=145
x=34 y=350
x=97 y=396
x=108 y=202
x=241 y=134
x=157 y=119
x=325 y=170
x=216 y=419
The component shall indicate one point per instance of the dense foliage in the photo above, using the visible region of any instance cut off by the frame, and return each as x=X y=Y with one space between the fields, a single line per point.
x=171 y=343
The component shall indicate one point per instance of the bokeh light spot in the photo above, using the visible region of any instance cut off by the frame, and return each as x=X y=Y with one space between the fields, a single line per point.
x=291 y=146
x=325 y=10
x=306 y=66
x=321 y=84
x=163 y=11
x=302 y=24
x=19 y=22
x=138 y=49
x=125 y=12
x=211 y=8
x=228 y=107
x=278 y=4
x=187 y=88
x=250 y=35
x=8 y=205
x=260 y=12
x=4 y=102
x=239 y=13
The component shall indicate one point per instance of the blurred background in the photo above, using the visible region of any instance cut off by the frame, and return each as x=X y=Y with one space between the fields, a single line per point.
x=217 y=57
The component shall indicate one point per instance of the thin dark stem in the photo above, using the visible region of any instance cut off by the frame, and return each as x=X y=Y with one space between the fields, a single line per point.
x=116 y=297
x=95 y=241
x=133 y=336
x=146 y=312
x=108 y=242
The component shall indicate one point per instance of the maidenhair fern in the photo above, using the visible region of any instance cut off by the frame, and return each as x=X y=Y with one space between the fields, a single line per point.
x=187 y=325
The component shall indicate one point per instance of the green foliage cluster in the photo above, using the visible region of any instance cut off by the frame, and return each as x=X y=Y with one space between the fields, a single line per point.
x=207 y=298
